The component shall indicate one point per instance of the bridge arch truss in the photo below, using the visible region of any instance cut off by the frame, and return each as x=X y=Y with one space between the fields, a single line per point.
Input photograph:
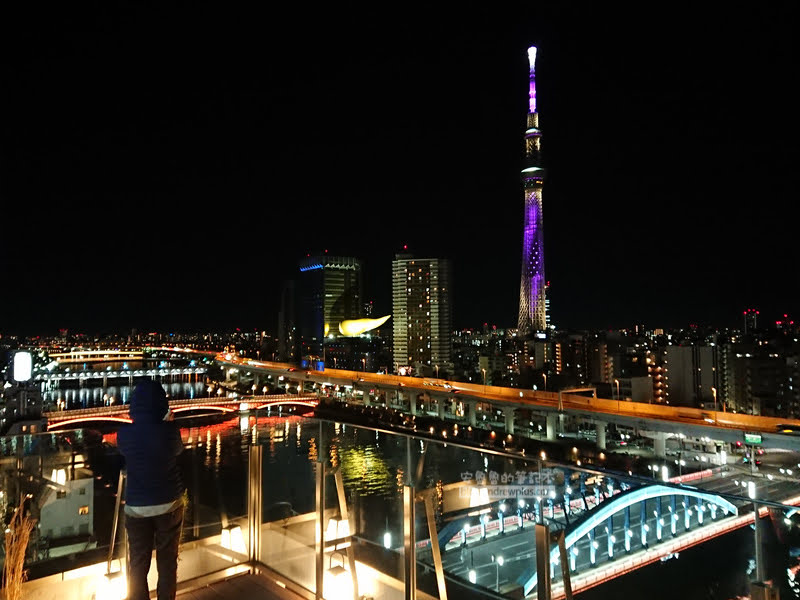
x=615 y=505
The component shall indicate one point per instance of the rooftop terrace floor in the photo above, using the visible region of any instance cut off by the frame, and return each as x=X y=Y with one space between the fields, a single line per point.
x=252 y=586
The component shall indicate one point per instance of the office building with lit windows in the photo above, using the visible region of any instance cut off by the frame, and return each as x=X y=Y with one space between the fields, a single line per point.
x=329 y=291
x=421 y=314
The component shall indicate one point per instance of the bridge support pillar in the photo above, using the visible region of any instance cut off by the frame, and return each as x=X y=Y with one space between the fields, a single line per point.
x=659 y=519
x=627 y=528
x=412 y=402
x=551 y=426
x=600 y=427
x=440 y=406
x=673 y=515
x=508 y=413
x=687 y=515
x=592 y=548
x=643 y=521
x=610 y=537
x=472 y=410
x=660 y=444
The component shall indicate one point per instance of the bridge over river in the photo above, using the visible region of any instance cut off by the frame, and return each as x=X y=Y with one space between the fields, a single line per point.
x=119 y=413
x=609 y=528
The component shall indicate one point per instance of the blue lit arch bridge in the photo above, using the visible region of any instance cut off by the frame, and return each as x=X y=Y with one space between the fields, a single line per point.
x=610 y=524
x=631 y=521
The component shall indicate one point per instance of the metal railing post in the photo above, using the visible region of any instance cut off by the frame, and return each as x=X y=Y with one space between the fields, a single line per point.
x=435 y=550
x=254 y=501
x=344 y=515
x=319 y=472
x=409 y=524
x=115 y=523
x=543 y=591
x=562 y=551
x=409 y=544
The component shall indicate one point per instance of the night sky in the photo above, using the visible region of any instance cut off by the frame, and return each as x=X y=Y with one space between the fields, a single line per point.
x=165 y=168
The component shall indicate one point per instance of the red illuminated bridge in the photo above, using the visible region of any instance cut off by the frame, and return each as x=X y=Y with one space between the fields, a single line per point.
x=119 y=413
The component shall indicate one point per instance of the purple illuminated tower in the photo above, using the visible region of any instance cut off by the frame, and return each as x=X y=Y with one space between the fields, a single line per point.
x=532 y=314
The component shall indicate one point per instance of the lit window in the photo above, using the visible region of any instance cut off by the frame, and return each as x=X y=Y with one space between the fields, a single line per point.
x=83 y=510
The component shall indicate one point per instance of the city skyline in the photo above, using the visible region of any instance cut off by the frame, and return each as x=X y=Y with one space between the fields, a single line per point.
x=173 y=180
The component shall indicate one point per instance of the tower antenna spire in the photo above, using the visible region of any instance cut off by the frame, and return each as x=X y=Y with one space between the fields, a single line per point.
x=532 y=300
x=532 y=88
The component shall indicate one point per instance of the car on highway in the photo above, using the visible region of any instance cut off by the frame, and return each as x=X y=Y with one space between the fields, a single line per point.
x=746 y=460
x=788 y=428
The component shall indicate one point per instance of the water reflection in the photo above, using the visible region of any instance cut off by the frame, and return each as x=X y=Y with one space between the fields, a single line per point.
x=92 y=392
x=87 y=397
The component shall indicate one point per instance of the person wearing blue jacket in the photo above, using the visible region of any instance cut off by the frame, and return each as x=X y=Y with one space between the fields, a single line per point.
x=154 y=492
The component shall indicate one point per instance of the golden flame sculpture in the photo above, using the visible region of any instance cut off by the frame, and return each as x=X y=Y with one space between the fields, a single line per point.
x=354 y=327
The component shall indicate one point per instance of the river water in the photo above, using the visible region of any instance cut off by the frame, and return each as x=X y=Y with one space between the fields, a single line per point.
x=93 y=393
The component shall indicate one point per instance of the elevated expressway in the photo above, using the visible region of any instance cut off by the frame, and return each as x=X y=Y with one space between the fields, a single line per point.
x=654 y=420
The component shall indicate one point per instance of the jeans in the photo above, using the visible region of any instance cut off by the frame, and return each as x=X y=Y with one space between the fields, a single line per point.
x=161 y=533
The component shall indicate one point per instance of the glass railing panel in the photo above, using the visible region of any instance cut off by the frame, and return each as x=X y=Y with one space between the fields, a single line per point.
x=69 y=482
x=65 y=485
x=487 y=502
x=368 y=470
x=291 y=450
x=214 y=466
x=451 y=486
x=486 y=484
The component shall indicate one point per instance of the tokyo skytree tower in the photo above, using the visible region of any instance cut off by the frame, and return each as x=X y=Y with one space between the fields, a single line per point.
x=532 y=313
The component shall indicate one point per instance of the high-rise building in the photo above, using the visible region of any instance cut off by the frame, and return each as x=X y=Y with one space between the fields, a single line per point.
x=532 y=308
x=750 y=320
x=330 y=290
x=421 y=313
x=690 y=374
x=571 y=361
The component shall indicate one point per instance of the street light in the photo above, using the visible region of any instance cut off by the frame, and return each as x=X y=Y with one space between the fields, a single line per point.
x=544 y=375
x=617 y=382
x=714 y=393
x=498 y=562
x=364 y=364
x=484 y=376
x=437 y=371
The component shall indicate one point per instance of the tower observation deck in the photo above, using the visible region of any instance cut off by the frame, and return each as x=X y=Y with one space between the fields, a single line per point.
x=532 y=313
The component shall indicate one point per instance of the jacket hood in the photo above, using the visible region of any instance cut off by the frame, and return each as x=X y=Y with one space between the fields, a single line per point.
x=148 y=402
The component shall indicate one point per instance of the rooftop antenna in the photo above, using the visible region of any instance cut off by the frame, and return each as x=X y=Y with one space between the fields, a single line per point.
x=532 y=89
